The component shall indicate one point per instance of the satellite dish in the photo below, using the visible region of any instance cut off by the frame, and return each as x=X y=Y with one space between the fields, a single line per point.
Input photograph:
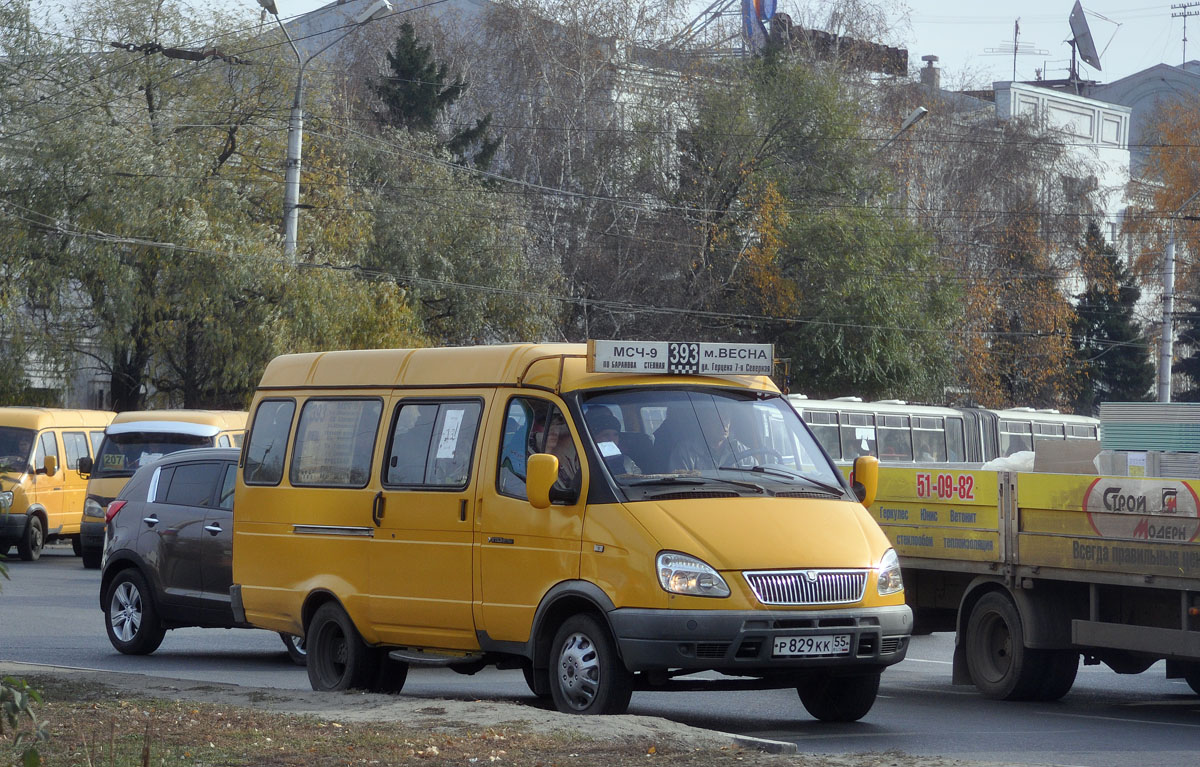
x=1082 y=41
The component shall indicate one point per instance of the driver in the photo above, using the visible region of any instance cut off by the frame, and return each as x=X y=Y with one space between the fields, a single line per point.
x=710 y=446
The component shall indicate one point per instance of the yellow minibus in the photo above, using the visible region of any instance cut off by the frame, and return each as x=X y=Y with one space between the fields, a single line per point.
x=137 y=437
x=607 y=517
x=41 y=488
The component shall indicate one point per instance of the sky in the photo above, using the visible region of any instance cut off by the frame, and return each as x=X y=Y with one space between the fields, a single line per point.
x=1131 y=35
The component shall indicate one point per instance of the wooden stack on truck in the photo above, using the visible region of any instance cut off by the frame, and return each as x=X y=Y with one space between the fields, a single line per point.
x=1035 y=570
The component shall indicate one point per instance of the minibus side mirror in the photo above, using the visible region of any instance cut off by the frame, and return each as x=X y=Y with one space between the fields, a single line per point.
x=84 y=466
x=865 y=479
x=51 y=464
x=541 y=472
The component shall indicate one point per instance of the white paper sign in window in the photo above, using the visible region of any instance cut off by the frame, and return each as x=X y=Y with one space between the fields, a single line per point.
x=449 y=439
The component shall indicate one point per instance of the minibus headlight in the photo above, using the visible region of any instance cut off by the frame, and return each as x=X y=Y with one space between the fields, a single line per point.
x=681 y=574
x=92 y=508
x=889 y=574
x=6 y=500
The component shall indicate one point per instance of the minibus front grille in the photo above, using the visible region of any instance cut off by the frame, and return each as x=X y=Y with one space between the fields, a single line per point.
x=808 y=587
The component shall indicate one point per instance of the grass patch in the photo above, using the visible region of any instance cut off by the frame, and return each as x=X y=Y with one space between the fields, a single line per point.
x=94 y=726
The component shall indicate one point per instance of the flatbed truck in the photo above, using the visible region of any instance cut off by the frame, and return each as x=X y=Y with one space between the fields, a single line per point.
x=1034 y=571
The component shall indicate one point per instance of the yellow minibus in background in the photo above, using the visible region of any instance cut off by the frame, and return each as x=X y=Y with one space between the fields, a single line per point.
x=606 y=517
x=137 y=437
x=41 y=489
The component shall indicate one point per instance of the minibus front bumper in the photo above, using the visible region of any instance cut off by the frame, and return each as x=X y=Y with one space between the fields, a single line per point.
x=757 y=642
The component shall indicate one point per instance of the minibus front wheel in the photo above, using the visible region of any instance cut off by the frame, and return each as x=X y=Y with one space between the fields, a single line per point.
x=586 y=673
x=834 y=698
x=338 y=658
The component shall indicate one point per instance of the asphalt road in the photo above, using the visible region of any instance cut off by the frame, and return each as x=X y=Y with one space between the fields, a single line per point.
x=50 y=613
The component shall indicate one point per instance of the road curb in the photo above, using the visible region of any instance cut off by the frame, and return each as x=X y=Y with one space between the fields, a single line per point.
x=762 y=744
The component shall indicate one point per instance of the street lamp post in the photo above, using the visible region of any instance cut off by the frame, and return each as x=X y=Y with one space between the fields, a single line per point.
x=912 y=119
x=291 y=186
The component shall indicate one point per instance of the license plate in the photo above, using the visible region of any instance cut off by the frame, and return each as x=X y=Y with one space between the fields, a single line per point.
x=785 y=647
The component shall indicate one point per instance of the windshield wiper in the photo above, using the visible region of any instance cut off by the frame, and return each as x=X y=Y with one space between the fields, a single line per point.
x=835 y=490
x=672 y=479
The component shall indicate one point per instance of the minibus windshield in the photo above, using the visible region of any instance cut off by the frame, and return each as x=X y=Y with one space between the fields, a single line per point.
x=736 y=438
x=123 y=454
x=15 y=447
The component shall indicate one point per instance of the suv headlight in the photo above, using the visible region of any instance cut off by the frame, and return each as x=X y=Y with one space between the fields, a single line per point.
x=681 y=574
x=92 y=508
x=889 y=574
x=6 y=500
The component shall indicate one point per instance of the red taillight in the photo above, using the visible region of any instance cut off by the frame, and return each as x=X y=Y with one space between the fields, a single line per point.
x=112 y=510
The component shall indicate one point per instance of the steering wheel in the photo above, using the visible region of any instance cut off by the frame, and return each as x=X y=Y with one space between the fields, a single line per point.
x=764 y=454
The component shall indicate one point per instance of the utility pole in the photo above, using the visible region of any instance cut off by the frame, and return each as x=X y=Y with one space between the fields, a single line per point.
x=1184 y=12
x=291 y=183
x=1167 y=342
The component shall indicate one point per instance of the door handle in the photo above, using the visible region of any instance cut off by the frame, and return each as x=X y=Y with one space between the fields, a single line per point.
x=213 y=528
x=151 y=520
x=377 y=509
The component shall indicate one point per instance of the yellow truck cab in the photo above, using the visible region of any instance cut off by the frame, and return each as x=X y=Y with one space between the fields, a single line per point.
x=607 y=517
x=136 y=437
x=41 y=489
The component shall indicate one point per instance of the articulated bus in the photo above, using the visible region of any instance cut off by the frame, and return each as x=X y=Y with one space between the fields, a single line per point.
x=897 y=432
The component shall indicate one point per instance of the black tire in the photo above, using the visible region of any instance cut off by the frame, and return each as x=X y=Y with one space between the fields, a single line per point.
x=295 y=648
x=832 y=698
x=1000 y=664
x=530 y=675
x=1061 y=666
x=586 y=674
x=130 y=616
x=391 y=676
x=338 y=659
x=33 y=540
x=1191 y=675
x=76 y=545
x=91 y=557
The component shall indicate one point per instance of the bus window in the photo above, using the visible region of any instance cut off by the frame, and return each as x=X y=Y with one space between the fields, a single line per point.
x=858 y=435
x=955 y=440
x=895 y=438
x=1081 y=432
x=929 y=438
x=1050 y=431
x=1015 y=436
x=824 y=427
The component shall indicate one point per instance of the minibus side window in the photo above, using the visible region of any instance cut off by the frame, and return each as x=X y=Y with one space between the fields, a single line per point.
x=335 y=439
x=268 y=442
x=75 y=445
x=432 y=443
x=96 y=437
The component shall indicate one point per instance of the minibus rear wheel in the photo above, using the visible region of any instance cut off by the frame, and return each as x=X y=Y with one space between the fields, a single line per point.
x=586 y=673
x=338 y=659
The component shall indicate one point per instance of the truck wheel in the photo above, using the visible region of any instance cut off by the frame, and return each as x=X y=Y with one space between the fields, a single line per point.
x=587 y=676
x=832 y=698
x=999 y=663
x=295 y=648
x=1191 y=675
x=29 y=547
x=1061 y=666
x=130 y=616
x=338 y=659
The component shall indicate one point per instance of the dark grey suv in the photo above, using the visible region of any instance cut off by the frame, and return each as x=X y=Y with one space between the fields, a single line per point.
x=168 y=551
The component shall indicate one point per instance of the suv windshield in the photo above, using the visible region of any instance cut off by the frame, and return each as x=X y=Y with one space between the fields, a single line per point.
x=746 y=441
x=122 y=454
x=15 y=447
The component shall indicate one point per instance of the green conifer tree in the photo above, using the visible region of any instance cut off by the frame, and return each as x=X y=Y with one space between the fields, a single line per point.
x=415 y=94
x=1112 y=355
